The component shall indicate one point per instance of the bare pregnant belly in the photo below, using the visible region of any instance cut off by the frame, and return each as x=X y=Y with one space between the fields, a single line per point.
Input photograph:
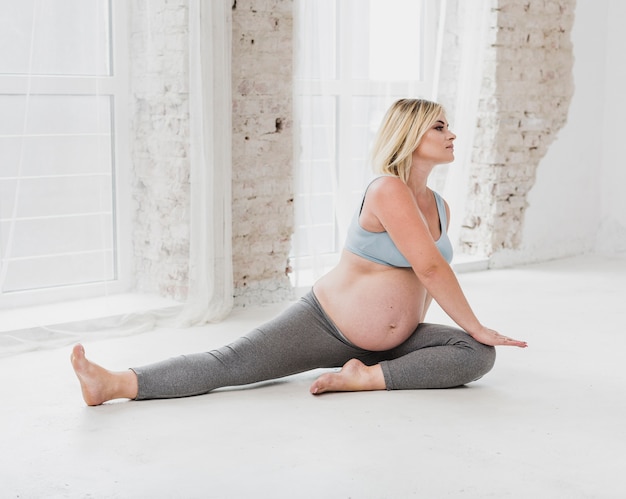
x=375 y=310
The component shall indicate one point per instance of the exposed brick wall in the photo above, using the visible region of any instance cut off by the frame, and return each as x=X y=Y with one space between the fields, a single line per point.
x=160 y=145
x=526 y=91
x=262 y=149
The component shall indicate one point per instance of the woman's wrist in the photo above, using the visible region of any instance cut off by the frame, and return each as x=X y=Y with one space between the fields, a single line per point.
x=475 y=329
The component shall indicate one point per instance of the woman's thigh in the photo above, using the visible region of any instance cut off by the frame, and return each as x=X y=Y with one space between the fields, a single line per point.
x=436 y=356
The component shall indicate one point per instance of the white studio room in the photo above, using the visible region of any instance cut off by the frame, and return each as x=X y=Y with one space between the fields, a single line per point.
x=175 y=174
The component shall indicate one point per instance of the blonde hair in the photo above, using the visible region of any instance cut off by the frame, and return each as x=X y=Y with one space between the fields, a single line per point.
x=401 y=131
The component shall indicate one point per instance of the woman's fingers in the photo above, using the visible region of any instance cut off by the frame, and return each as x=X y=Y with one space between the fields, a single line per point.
x=491 y=337
x=511 y=342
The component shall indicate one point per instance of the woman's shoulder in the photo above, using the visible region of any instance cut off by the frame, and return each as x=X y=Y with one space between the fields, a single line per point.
x=387 y=183
x=388 y=193
x=387 y=187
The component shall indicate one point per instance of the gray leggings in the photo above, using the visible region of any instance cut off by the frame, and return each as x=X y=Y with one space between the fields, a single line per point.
x=303 y=338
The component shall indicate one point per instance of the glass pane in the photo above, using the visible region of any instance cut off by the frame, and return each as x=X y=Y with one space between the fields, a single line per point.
x=24 y=239
x=317 y=39
x=318 y=110
x=55 y=196
x=55 y=114
x=318 y=137
x=324 y=239
x=315 y=240
x=56 y=190
x=317 y=144
x=315 y=177
x=388 y=45
x=55 y=37
x=55 y=155
x=316 y=209
x=367 y=113
x=49 y=272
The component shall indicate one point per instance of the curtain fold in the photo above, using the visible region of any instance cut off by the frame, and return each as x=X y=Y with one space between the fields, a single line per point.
x=468 y=22
x=210 y=296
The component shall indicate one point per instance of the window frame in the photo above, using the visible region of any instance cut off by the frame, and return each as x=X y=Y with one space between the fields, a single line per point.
x=116 y=86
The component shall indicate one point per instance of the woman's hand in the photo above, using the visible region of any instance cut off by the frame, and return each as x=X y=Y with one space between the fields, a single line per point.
x=490 y=337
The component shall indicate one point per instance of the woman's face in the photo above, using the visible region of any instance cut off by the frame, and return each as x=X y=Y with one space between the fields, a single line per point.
x=436 y=145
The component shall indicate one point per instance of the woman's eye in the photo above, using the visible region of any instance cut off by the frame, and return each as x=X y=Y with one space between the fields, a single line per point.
x=440 y=128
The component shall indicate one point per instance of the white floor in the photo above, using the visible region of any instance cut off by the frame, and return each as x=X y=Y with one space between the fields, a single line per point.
x=547 y=422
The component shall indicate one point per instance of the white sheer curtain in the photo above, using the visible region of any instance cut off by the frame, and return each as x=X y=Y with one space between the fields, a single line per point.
x=467 y=25
x=49 y=166
x=210 y=271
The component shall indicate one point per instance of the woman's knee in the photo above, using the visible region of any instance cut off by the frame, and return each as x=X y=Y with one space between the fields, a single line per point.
x=484 y=359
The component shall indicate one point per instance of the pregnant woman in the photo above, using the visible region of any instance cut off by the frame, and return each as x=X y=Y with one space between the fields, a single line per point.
x=367 y=314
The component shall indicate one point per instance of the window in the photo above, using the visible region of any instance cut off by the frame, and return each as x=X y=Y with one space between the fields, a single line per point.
x=63 y=148
x=354 y=58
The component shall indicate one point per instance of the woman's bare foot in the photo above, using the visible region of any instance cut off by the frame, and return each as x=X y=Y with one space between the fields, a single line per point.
x=98 y=384
x=353 y=377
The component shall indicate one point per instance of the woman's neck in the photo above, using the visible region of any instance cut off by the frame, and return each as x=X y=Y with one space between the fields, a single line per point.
x=417 y=181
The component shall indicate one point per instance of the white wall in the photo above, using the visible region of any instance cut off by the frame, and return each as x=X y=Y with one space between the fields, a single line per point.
x=612 y=232
x=578 y=192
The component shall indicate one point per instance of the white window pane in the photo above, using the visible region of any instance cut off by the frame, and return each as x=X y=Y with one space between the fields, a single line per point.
x=357 y=65
x=395 y=41
x=57 y=271
x=57 y=149
x=39 y=197
x=366 y=116
x=55 y=37
x=316 y=209
x=323 y=239
x=318 y=144
x=56 y=155
x=319 y=110
x=28 y=238
x=368 y=111
x=55 y=114
x=316 y=38
x=316 y=240
x=315 y=176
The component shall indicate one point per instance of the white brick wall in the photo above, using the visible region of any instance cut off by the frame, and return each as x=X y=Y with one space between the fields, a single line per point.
x=525 y=96
x=262 y=149
x=159 y=145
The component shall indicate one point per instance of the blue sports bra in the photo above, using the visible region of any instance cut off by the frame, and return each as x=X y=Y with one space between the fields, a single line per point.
x=378 y=246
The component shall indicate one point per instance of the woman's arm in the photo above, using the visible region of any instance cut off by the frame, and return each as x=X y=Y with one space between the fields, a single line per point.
x=395 y=207
x=427 y=301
